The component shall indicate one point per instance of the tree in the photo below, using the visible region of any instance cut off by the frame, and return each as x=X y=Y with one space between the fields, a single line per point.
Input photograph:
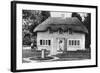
x=32 y=18
x=87 y=23
x=74 y=14
x=45 y=15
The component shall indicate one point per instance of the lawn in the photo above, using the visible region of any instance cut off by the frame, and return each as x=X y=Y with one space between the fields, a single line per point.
x=66 y=56
x=29 y=53
x=75 y=54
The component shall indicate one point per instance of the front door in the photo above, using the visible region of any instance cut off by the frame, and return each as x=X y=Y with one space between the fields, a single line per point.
x=60 y=42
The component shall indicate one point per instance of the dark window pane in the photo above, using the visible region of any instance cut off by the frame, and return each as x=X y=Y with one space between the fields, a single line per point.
x=70 y=30
x=46 y=42
x=60 y=31
x=72 y=42
x=43 y=42
x=40 y=42
x=78 y=42
x=69 y=42
x=49 y=42
x=75 y=42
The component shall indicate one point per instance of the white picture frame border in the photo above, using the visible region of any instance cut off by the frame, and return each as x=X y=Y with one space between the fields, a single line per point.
x=68 y=64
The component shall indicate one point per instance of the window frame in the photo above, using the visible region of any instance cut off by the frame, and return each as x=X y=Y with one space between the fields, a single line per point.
x=74 y=42
x=45 y=42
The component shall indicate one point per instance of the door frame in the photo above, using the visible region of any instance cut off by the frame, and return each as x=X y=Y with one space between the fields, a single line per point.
x=57 y=39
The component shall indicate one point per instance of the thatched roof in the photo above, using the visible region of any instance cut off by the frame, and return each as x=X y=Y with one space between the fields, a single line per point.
x=54 y=23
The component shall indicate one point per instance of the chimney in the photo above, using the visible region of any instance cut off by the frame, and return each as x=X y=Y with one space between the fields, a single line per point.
x=61 y=14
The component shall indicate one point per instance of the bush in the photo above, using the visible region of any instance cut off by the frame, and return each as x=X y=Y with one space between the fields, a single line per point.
x=26 y=41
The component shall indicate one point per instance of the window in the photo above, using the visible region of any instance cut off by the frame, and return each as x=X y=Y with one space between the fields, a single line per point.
x=69 y=42
x=69 y=30
x=49 y=29
x=40 y=42
x=45 y=42
x=74 y=42
x=60 y=31
x=49 y=42
x=78 y=42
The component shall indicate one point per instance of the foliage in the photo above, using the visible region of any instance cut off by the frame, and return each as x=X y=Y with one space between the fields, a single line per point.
x=30 y=19
x=76 y=15
x=87 y=23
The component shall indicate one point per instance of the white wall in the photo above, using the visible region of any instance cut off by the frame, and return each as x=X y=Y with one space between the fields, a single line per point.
x=5 y=36
x=53 y=37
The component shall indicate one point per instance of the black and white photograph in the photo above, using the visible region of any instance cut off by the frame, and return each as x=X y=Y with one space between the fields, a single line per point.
x=47 y=36
x=55 y=36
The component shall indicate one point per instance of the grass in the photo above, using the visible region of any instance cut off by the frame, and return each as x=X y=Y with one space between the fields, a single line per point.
x=66 y=56
x=24 y=61
x=75 y=54
x=28 y=53
x=31 y=53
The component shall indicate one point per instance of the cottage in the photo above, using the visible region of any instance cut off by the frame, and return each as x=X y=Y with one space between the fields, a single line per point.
x=58 y=34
